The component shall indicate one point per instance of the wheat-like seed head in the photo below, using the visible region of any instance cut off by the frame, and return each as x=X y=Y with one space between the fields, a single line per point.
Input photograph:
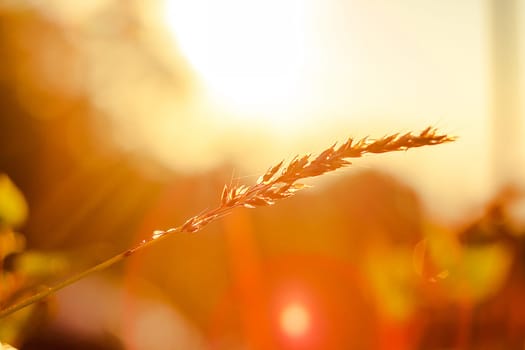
x=280 y=181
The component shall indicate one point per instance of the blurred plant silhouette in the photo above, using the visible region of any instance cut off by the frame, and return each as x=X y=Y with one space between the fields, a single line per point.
x=20 y=269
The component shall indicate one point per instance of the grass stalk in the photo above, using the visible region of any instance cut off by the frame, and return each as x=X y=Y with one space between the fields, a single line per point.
x=279 y=182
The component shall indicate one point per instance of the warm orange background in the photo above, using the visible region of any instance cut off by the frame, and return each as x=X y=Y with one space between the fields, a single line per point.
x=121 y=117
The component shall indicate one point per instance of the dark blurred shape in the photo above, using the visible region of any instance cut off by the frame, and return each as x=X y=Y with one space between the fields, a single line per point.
x=55 y=340
x=497 y=319
x=499 y=322
x=379 y=207
x=497 y=222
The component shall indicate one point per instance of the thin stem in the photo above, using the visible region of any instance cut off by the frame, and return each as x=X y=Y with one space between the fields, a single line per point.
x=102 y=266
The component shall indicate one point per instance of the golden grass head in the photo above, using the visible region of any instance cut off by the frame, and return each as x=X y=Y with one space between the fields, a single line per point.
x=280 y=181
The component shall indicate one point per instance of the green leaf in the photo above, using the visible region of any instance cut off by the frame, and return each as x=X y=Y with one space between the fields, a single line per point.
x=13 y=206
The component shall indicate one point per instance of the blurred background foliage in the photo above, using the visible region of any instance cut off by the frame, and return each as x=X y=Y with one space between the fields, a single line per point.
x=112 y=126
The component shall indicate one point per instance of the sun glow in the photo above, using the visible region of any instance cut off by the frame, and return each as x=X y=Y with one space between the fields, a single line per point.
x=249 y=53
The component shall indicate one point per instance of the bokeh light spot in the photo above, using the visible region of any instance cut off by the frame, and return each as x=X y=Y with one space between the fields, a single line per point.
x=295 y=320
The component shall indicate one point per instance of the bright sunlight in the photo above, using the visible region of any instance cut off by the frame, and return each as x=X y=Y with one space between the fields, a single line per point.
x=249 y=54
